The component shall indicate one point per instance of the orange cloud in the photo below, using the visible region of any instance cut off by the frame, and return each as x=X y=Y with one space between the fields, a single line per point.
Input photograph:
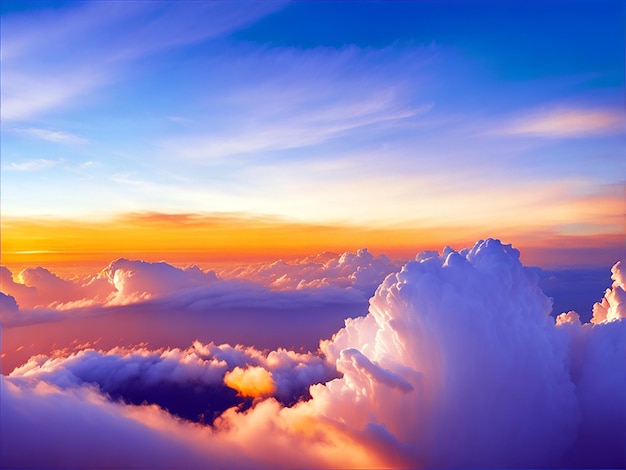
x=250 y=382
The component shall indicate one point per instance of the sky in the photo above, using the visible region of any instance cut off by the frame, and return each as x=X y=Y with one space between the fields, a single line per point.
x=312 y=234
x=287 y=128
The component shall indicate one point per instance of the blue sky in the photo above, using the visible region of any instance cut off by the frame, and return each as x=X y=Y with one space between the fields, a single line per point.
x=407 y=114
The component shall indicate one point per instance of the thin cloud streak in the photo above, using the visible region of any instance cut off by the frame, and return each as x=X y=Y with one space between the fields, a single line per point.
x=48 y=135
x=304 y=98
x=32 y=85
x=566 y=122
x=33 y=165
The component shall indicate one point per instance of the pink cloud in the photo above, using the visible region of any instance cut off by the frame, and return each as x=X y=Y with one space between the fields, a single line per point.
x=566 y=122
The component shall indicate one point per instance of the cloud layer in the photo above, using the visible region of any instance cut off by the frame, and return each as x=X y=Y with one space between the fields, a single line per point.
x=457 y=364
x=125 y=282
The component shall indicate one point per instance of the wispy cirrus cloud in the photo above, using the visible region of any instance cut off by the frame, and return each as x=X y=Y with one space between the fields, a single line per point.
x=49 y=135
x=33 y=165
x=566 y=122
x=43 y=69
x=303 y=98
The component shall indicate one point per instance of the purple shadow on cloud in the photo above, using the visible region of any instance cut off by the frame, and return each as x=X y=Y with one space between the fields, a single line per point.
x=196 y=402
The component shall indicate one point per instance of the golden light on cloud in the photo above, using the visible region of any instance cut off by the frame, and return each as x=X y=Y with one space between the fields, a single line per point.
x=250 y=382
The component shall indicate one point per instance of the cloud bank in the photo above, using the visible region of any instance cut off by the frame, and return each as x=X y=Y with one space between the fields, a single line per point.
x=198 y=383
x=457 y=364
x=288 y=305
x=125 y=281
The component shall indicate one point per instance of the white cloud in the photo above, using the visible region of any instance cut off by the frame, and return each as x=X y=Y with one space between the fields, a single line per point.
x=613 y=305
x=302 y=98
x=360 y=270
x=33 y=165
x=458 y=363
x=43 y=70
x=141 y=369
x=341 y=278
x=49 y=135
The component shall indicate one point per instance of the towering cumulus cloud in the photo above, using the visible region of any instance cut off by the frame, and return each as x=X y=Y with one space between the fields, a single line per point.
x=460 y=362
x=457 y=364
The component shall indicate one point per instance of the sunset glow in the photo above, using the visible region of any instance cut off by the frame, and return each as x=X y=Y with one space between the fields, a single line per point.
x=298 y=234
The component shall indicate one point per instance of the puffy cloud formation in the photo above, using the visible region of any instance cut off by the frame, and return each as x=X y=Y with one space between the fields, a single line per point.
x=125 y=282
x=132 y=302
x=138 y=280
x=360 y=270
x=613 y=304
x=457 y=364
x=137 y=374
x=251 y=381
x=461 y=363
x=462 y=347
x=18 y=291
x=46 y=426
x=38 y=287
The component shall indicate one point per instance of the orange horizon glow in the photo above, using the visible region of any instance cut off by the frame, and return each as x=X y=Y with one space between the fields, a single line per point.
x=213 y=240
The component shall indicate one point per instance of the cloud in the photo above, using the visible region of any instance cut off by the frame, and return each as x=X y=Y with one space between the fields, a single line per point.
x=59 y=392
x=215 y=311
x=457 y=364
x=137 y=280
x=494 y=382
x=250 y=382
x=193 y=383
x=566 y=122
x=613 y=305
x=326 y=277
x=303 y=98
x=40 y=75
x=38 y=287
x=360 y=270
x=8 y=307
x=78 y=427
x=33 y=165
x=597 y=368
x=15 y=289
x=49 y=135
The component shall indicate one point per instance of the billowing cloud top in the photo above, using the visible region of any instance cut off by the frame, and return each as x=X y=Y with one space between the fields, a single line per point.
x=360 y=270
x=613 y=304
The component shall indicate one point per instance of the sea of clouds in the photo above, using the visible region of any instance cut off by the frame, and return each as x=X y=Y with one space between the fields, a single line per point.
x=454 y=359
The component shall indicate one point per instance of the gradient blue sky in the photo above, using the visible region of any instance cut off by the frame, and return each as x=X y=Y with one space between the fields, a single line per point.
x=506 y=115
